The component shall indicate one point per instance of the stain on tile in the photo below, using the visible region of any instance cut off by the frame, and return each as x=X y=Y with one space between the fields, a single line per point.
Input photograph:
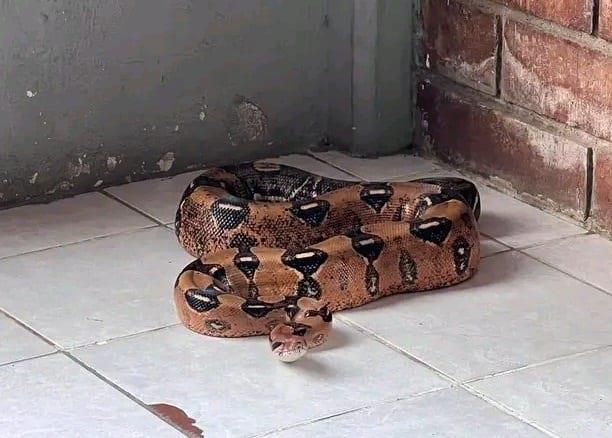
x=179 y=418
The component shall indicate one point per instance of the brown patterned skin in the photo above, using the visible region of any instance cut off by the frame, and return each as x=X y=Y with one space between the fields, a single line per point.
x=279 y=249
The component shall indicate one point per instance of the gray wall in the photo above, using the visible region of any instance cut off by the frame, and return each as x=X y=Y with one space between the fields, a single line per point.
x=98 y=92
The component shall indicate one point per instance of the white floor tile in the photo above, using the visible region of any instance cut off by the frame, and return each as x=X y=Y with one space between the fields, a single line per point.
x=54 y=397
x=517 y=224
x=571 y=397
x=312 y=165
x=158 y=198
x=35 y=227
x=17 y=343
x=447 y=413
x=515 y=311
x=586 y=257
x=95 y=290
x=379 y=169
x=489 y=247
x=234 y=387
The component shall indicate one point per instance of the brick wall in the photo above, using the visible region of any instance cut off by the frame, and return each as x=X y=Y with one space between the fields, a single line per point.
x=520 y=91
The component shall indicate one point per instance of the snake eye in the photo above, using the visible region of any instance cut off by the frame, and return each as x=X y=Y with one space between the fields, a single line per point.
x=276 y=344
x=300 y=330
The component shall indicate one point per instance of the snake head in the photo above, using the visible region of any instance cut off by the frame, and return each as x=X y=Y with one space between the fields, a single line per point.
x=288 y=341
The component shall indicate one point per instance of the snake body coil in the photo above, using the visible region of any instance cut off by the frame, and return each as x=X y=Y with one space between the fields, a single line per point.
x=279 y=249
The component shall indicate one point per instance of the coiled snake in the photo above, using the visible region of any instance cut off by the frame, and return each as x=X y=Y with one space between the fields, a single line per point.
x=279 y=248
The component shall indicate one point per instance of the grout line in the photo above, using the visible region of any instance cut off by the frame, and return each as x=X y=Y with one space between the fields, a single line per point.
x=503 y=251
x=366 y=331
x=455 y=382
x=549 y=26
x=508 y=410
x=594 y=286
x=349 y=173
x=551 y=241
x=89 y=239
x=118 y=388
x=69 y=355
x=589 y=184
x=29 y=329
x=59 y=348
x=120 y=337
x=537 y=364
x=349 y=411
x=499 y=28
x=390 y=179
x=596 y=11
x=26 y=359
x=488 y=236
x=131 y=207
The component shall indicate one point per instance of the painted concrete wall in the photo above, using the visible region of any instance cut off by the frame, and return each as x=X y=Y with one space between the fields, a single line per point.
x=99 y=92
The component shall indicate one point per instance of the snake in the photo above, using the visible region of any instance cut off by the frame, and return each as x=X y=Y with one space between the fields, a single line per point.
x=278 y=249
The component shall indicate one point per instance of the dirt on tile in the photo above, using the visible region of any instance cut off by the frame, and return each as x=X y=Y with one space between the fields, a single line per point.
x=179 y=418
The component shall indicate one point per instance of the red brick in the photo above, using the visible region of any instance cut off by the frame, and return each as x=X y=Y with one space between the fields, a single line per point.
x=576 y=14
x=557 y=78
x=460 y=43
x=602 y=189
x=469 y=132
x=605 y=19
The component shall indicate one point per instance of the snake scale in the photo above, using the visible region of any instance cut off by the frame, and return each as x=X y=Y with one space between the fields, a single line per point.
x=279 y=249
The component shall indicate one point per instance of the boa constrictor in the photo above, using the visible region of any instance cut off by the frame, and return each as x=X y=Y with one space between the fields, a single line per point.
x=278 y=249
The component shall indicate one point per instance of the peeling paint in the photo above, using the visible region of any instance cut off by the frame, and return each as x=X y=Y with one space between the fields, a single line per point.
x=166 y=162
x=111 y=163
x=65 y=185
x=76 y=170
x=47 y=133
x=248 y=124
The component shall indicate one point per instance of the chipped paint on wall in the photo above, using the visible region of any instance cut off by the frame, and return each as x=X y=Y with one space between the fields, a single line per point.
x=81 y=106
x=111 y=163
x=248 y=122
x=165 y=162
x=77 y=169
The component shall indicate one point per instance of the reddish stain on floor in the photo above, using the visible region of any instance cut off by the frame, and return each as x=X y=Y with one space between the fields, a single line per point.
x=179 y=418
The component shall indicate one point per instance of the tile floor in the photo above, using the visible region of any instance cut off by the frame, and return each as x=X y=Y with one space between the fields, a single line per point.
x=91 y=347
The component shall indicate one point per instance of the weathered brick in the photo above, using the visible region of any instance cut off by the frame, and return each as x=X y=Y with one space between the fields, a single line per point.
x=557 y=78
x=605 y=19
x=602 y=189
x=575 y=14
x=466 y=131
x=460 y=43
